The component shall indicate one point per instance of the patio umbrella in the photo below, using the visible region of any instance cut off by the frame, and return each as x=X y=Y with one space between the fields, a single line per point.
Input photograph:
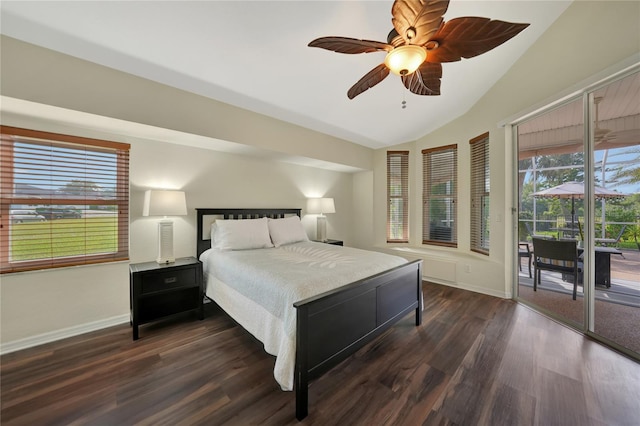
x=575 y=190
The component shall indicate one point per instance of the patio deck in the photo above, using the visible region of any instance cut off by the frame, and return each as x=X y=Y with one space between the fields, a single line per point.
x=617 y=308
x=625 y=280
x=627 y=269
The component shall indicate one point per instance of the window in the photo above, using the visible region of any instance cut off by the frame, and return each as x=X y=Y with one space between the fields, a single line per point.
x=439 y=197
x=480 y=193
x=398 y=196
x=64 y=200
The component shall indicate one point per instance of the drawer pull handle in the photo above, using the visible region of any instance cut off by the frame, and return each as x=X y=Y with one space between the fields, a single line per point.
x=170 y=280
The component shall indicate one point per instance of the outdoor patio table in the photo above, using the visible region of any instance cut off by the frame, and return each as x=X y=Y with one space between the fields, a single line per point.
x=603 y=264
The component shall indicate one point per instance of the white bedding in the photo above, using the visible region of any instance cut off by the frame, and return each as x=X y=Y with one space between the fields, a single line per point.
x=259 y=287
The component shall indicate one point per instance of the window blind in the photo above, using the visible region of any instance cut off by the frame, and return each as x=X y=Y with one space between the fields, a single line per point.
x=480 y=193
x=64 y=200
x=439 y=197
x=398 y=196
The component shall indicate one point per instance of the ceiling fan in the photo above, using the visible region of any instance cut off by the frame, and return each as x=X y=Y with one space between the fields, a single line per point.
x=601 y=135
x=607 y=138
x=420 y=41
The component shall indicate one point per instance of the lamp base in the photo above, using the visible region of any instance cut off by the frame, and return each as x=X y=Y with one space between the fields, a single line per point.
x=321 y=232
x=165 y=242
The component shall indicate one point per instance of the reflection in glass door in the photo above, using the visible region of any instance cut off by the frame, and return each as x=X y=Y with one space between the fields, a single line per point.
x=555 y=175
x=616 y=232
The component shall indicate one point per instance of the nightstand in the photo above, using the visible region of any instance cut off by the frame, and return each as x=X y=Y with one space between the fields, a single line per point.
x=332 y=242
x=160 y=290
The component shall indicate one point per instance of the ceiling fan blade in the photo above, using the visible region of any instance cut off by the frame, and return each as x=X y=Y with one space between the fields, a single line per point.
x=619 y=139
x=349 y=45
x=627 y=135
x=603 y=134
x=425 y=80
x=470 y=36
x=416 y=21
x=370 y=79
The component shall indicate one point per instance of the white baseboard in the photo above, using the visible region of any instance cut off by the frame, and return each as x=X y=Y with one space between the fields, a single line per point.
x=52 y=336
x=469 y=287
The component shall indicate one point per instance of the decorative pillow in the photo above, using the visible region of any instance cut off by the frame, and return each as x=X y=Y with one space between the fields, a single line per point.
x=240 y=234
x=286 y=231
x=213 y=234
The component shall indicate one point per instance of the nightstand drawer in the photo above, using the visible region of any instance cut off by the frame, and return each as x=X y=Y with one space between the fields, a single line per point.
x=165 y=304
x=159 y=281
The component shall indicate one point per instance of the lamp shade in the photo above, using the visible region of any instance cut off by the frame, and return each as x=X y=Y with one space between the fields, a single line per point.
x=320 y=205
x=164 y=203
x=404 y=60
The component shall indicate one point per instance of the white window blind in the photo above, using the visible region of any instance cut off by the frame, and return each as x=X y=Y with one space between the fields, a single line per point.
x=480 y=193
x=64 y=200
x=439 y=197
x=398 y=196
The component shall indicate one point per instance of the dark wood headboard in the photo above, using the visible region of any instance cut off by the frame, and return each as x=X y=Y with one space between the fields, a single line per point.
x=203 y=234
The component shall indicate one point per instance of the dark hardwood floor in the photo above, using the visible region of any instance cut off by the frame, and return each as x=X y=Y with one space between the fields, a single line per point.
x=476 y=360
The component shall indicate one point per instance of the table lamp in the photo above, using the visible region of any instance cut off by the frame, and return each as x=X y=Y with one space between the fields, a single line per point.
x=164 y=203
x=321 y=206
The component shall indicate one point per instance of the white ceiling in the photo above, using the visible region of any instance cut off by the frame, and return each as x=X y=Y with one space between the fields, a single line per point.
x=254 y=55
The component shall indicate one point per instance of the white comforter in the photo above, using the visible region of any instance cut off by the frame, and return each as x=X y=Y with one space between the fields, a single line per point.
x=274 y=279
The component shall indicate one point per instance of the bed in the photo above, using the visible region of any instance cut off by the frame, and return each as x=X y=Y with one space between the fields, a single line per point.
x=310 y=321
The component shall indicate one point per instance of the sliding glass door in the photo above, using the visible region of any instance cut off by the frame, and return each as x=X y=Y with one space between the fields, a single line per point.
x=587 y=196
x=615 y=117
x=551 y=207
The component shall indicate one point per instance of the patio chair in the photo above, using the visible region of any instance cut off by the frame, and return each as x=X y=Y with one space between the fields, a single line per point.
x=611 y=241
x=524 y=251
x=556 y=256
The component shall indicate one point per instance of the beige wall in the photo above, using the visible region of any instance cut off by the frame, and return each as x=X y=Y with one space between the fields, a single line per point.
x=214 y=179
x=362 y=209
x=40 y=75
x=587 y=39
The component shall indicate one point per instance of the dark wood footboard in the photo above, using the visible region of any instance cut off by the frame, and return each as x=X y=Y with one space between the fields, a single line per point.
x=334 y=325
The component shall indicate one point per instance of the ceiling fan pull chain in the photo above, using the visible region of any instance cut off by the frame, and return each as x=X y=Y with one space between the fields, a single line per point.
x=404 y=102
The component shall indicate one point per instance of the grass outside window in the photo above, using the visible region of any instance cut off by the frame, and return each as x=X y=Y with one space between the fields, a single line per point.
x=64 y=238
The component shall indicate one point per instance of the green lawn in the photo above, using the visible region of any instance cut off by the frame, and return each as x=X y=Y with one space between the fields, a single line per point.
x=63 y=237
x=627 y=245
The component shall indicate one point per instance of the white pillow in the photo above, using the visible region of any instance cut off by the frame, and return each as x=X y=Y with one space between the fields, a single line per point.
x=240 y=234
x=286 y=231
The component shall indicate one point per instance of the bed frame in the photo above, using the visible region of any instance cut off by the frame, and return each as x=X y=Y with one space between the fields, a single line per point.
x=333 y=325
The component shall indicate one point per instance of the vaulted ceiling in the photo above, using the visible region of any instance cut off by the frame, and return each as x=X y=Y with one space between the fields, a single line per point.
x=254 y=55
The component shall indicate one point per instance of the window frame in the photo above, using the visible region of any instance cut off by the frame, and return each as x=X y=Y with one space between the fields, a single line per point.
x=480 y=194
x=427 y=197
x=10 y=136
x=403 y=196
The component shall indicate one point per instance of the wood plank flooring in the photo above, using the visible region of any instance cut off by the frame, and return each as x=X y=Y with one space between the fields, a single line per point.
x=476 y=360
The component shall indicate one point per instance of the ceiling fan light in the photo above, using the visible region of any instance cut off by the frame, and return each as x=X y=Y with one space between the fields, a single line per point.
x=405 y=59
